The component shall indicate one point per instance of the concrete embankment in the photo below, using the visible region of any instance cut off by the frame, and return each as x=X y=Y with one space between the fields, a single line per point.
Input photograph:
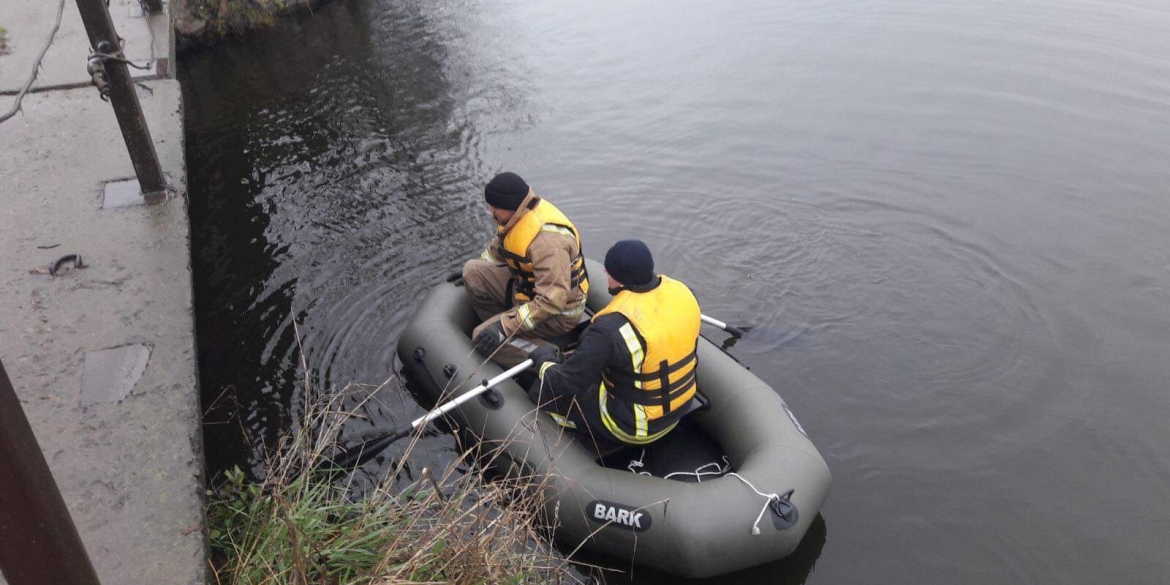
x=103 y=356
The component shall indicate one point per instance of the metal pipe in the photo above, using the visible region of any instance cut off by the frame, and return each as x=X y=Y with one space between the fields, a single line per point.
x=104 y=39
x=38 y=540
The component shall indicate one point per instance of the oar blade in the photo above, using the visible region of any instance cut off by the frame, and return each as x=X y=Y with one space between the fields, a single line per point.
x=356 y=456
x=739 y=331
x=348 y=459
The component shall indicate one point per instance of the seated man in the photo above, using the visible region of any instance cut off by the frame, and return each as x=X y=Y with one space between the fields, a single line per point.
x=632 y=376
x=530 y=283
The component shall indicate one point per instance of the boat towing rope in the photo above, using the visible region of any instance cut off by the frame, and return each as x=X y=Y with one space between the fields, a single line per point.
x=720 y=470
x=698 y=473
x=769 y=498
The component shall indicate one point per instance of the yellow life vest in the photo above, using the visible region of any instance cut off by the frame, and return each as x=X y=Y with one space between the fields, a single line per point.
x=662 y=337
x=513 y=248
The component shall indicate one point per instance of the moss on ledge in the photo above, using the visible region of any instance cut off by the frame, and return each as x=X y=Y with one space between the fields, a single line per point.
x=204 y=22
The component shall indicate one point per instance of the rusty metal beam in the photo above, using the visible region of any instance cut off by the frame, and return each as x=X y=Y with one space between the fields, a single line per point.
x=104 y=39
x=38 y=540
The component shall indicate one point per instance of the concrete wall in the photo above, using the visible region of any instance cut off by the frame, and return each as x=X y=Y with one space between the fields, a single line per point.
x=102 y=357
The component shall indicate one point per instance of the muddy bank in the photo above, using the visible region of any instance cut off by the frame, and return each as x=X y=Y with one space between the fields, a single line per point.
x=201 y=23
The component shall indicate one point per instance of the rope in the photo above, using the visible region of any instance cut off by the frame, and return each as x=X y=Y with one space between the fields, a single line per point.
x=636 y=465
x=698 y=473
x=117 y=59
x=768 y=499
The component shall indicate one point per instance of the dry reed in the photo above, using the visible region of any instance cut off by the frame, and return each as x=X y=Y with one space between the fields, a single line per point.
x=301 y=527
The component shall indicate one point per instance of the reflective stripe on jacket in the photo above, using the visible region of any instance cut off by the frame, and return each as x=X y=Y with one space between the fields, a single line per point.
x=661 y=336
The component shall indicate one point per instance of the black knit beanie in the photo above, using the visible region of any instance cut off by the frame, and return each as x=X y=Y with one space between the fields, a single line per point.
x=630 y=263
x=506 y=191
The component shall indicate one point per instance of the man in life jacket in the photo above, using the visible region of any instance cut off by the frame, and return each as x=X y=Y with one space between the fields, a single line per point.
x=632 y=375
x=530 y=284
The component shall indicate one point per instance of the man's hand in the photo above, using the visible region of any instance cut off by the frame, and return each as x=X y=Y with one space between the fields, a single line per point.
x=545 y=353
x=490 y=339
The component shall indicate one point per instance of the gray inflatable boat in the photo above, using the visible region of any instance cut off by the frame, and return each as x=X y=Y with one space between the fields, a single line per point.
x=736 y=484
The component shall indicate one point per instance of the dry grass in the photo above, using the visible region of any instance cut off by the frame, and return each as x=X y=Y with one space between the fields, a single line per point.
x=301 y=528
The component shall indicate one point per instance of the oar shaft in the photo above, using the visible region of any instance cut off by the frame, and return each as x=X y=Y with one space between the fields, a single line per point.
x=713 y=321
x=366 y=451
x=736 y=331
x=448 y=406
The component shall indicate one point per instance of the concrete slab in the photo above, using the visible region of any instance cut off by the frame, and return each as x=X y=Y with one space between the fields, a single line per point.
x=130 y=470
x=126 y=192
x=122 y=194
x=110 y=374
x=28 y=24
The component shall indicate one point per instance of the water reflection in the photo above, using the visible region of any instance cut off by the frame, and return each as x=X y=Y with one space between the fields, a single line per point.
x=792 y=570
x=323 y=196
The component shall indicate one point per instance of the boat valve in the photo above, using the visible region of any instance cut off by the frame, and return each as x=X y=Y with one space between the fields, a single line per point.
x=784 y=512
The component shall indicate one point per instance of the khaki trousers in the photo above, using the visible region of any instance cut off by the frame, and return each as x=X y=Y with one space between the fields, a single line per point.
x=487 y=289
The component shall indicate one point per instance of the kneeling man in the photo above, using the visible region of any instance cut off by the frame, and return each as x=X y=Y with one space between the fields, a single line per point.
x=530 y=284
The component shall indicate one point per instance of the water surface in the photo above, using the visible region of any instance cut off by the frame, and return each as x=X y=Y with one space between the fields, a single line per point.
x=947 y=221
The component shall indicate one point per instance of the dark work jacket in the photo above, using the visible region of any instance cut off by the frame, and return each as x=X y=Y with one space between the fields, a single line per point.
x=601 y=349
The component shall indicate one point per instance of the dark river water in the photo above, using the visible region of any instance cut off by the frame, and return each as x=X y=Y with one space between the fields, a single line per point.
x=948 y=220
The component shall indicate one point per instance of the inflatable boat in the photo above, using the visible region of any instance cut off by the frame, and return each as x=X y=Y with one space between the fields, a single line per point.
x=736 y=484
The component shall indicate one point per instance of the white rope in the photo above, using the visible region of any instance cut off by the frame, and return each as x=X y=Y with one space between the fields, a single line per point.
x=698 y=473
x=720 y=470
x=767 y=500
x=638 y=464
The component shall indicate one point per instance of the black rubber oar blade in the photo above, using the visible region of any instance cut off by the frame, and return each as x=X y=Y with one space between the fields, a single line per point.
x=357 y=456
x=732 y=329
x=738 y=331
